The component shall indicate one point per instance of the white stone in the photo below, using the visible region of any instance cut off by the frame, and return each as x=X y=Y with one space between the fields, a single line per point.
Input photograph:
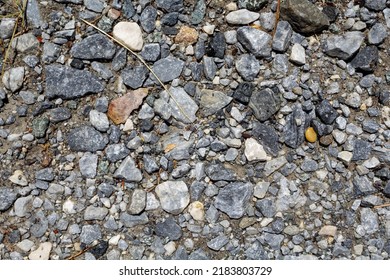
x=260 y=189
x=174 y=196
x=152 y=202
x=196 y=210
x=170 y=248
x=209 y=29
x=25 y=245
x=298 y=54
x=345 y=156
x=339 y=136
x=99 y=120
x=371 y=163
x=42 y=253
x=129 y=125
x=254 y=151
x=13 y=78
x=130 y=34
x=19 y=178
x=114 y=240
x=328 y=230
x=68 y=207
x=242 y=17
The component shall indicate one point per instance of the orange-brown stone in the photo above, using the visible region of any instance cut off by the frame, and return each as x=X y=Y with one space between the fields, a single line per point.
x=186 y=35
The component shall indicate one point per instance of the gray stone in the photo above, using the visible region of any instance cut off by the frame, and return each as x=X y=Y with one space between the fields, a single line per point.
x=128 y=171
x=366 y=59
x=361 y=150
x=128 y=9
x=218 y=242
x=370 y=126
x=248 y=67
x=309 y=165
x=88 y=164
x=367 y=81
x=376 y=5
x=256 y=252
x=210 y=68
x=39 y=225
x=363 y=186
x=369 y=220
x=94 y=47
x=68 y=83
x=95 y=213
x=90 y=233
x=183 y=107
x=212 y=101
x=148 y=19
x=138 y=202
x=25 y=43
x=198 y=254
x=27 y=96
x=133 y=220
x=273 y=165
x=95 y=5
x=168 y=68
x=13 y=78
x=59 y=114
x=170 y=5
x=7 y=198
x=199 y=12
x=280 y=63
x=298 y=55
x=233 y=199
x=377 y=34
x=102 y=69
x=22 y=206
x=99 y=120
x=149 y=164
x=353 y=100
x=86 y=139
x=33 y=14
x=303 y=16
x=267 y=136
x=255 y=41
x=150 y=52
x=326 y=112
x=7 y=27
x=264 y=103
x=241 y=17
x=146 y=112
x=40 y=126
x=266 y=207
x=344 y=46
x=340 y=250
x=282 y=36
x=217 y=172
x=134 y=77
x=217 y=46
x=45 y=174
x=173 y=195
x=50 y=52
x=116 y=152
x=168 y=229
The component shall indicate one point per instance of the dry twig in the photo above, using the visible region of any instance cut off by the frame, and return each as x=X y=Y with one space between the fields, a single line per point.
x=277 y=16
x=81 y=252
x=382 y=205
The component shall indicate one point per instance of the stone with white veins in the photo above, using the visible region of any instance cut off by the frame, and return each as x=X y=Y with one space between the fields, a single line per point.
x=42 y=252
x=211 y=101
x=95 y=213
x=99 y=120
x=255 y=41
x=130 y=34
x=88 y=164
x=344 y=46
x=13 y=78
x=128 y=171
x=173 y=195
x=254 y=151
x=241 y=17
x=183 y=107
x=298 y=55
x=248 y=67
x=282 y=36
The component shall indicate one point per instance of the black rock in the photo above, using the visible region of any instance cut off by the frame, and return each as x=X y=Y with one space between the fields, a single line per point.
x=320 y=128
x=169 y=30
x=134 y=77
x=99 y=250
x=267 y=136
x=264 y=103
x=331 y=12
x=77 y=63
x=217 y=46
x=383 y=173
x=170 y=19
x=170 y=5
x=217 y=172
x=86 y=139
x=294 y=135
x=361 y=150
x=326 y=112
x=366 y=59
x=169 y=228
x=243 y=92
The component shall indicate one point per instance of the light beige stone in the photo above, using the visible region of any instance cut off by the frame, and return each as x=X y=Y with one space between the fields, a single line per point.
x=130 y=34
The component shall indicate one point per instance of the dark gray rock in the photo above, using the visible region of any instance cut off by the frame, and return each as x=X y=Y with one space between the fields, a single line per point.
x=267 y=136
x=59 y=114
x=169 y=228
x=248 y=67
x=264 y=104
x=168 y=68
x=133 y=220
x=102 y=69
x=134 y=77
x=116 y=152
x=128 y=9
x=199 y=12
x=243 y=92
x=151 y=52
x=45 y=174
x=217 y=46
x=366 y=59
x=7 y=198
x=86 y=139
x=196 y=190
x=256 y=252
x=362 y=186
x=344 y=46
x=267 y=207
x=376 y=5
x=218 y=242
x=170 y=5
x=282 y=36
x=361 y=150
x=386 y=189
x=212 y=101
x=148 y=19
x=68 y=83
x=294 y=135
x=200 y=49
x=170 y=19
x=119 y=60
x=252 y=5
x=90 y=233
x=303 y=16
x=255 y=41
x=326 y=112
x=217 y=172
x=94 y=47
x=331 y=12
x=210 y=68
x=233 y=199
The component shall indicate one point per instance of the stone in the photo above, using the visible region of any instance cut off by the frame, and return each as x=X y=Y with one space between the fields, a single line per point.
x=90 y=233
x=377 y=34
x=264 y=104
x=94 y=47
x=252 y=5
x=344 y=46
x=326 y=112
x=212 y=101
x=282 y=36
x=256 y=251
x=25 y=43
x=241 y=17
x=130 y=34
x=170 y=5
x=353 y=100
x=148 y=19
x=116 y=152
x=298 y=55
x=22 y=206
x=168 y=68
x=99 y=120
x=267 y=207
x=40 y=126
x=95 y=213
x=42 y=252
x=267 y=136
x=311 y=135
x=186 y=36
x=150 y=165
x=7 y=198
x=376 y=5
x=151 y=52
x=362 y=186
x=303 y=16
x=18 y=178
x=273 y=165
x=210 y=68
x=138 y=202
x=128 y=9
x=366 y=59
x=361 y=150
x=217 y=46
x=199 y=12
x=7 y=27
x=134 y=77
x=218 y=242
x=173 y=195
x=102 y=69
x=128 y=171
x=255 y=41
x=59 y=114
x=133 y=220
x=369 y=220
x=254 y=151
x=217 y=172
x=168 y=228
x=196 y=210
x=309 y=165
x=88 y=164
x=13 y=78
x=233 y=199
x=45 y=174
x=50 y=52
x=25 y=245
x=248 y=67
x=261 y=189
x=345 y=156
x=181 y=106
x=69 y=83
x=86 y=139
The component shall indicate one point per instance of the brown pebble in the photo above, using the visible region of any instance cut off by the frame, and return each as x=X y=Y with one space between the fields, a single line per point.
x=326 y=140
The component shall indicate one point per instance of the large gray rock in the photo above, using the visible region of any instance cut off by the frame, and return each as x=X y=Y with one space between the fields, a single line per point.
x=86 y=139
x=264 y=103
x=94 y=47
x=182 y=106
x=212 y=101
x=282 y=36
x=255 y=41
x=234 y=198
x=68 y=83
x=168 y=68
x=344 y=46
x=376 y=5
x=173 y=195
x=303 y=16
x=128 y=171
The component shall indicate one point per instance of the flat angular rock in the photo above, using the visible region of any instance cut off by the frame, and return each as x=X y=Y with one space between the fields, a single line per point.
x=282 y=36
x=94 y=47
x=377 y=34
x=170 y=5
x=255 y=41
x=116 y=152
x=7 y=198
x=294 y=135
x=233 y=199
x=138 y=202
x=134 y=77
x=267 y=136
x=264 y=103
x=217 y=172
x=366 y=59
x=273 y=165
x=218 y=242
x=188 y=106
x=298 y=55
x=344 y=46
x=95 y=213
x=254 y=151
x=59 y=114
x=7 y=27
x=133 y=220
x=90 y=233
x=326 y=112
x=25 y=43
x=173 y=195
x=13 y=78
x=128 y=171
x=86 y=139
x=248 y=67
x=88 y=164
x=303 y=16
x=168 y=69
x=33 y=14
x=169 y=228
x=361 y=150
x=69 y=83
x=241 y=17
x=212 y=101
